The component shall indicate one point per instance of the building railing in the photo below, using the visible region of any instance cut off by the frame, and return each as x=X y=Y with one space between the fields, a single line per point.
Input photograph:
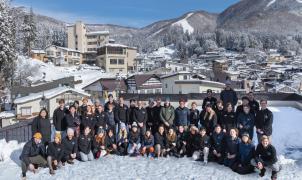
x=20 y=132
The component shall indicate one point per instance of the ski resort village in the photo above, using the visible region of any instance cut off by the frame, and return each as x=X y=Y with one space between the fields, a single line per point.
x=198 y=93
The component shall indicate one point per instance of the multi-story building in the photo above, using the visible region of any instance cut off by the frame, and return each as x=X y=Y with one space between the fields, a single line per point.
x=63 y=56
x=116 y=58
x=86 y=42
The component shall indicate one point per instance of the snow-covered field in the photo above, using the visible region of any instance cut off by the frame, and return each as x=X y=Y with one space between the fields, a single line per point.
x=286 y=138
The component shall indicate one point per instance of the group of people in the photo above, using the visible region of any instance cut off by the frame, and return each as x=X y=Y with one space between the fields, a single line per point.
x=219 y=133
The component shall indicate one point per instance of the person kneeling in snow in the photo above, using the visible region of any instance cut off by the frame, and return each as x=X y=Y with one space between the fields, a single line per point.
x=204 y=146
x=245 y=155
x=70 y=144
x=99 y=144
x=217 y=140
x=85 y=142
x=55 y=153
x=160 y=142
x=122 y=140
x=33 y=155
x=171 y=143
x=134 y=141
x=231 y=147
x=147 y=144
x=266 y=157
x=111 y=146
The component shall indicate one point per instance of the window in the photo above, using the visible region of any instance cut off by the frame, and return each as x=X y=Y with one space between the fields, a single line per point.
x=185 y=77
x=121 y=61
x=26 y=111
x=69 y=53
x=175 y=68
x=113 y=61
x=166 y=85
x=50 y=53
x=92 y=43
x=58 y=53
x=184 y=69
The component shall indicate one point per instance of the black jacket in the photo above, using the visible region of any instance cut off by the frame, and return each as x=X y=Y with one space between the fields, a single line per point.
x=210 y=100
x=204 y=142
x=88 y=120
x=254 y=106
x=220 y=114
x=231 y=146
x=264 y=121
x=156 y=115
x=140 y=115
x=72 y=121
x=267 y=156
x=121 y=114
x=110 y=141
x=59 y=119
x=106 y=106
x=229 y=96
x=150 y=115
x=207 y=122
x=134 y=137
x=56 y=151
x=96 y=146
x=161 y=140
x=70 y=146
x=85 y=143
x=100 y=120
x=229 y=120
x=109 y=118
x=217 y=141
x=194 y=117
x=32 y=149
x=42 y=126
x=193 y=142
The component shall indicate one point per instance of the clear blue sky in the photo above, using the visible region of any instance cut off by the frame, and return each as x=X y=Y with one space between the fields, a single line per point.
x=134 y=13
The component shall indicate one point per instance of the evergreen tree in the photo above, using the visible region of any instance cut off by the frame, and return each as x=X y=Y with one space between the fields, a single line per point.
x=29 y=30
x=7 y=45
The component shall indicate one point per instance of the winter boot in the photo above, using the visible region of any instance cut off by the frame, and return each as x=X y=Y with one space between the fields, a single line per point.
x=262 y=172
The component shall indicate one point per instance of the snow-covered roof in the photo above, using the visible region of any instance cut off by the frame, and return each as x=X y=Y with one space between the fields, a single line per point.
x=63 y=48
x=38 y=51
x=116 y=45
x=7 y=114
x=48 y=94
x=96 y=33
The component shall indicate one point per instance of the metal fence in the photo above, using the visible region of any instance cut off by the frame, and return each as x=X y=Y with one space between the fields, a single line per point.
x=20 y=132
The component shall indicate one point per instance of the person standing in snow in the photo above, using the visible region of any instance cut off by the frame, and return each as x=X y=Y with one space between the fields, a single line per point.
x=84 y=144
x=59 y=118
x=73 y=120
x=228 y=95
x=121 y=114
x=209 y=100
x=245 y=102
x=228 y=119
x=140 y=116
x=55 y=153
x=208 y=119
x=266 y=157
x=134 y=141
x=167 y=114
x=83 y=107
x=131 y=110
x=156 y=115
x=219 y=112
x=100 y=121
x=88 y=119
x=253 y=103
x=70 y=144
x=42 y=124
x=194 y=115
x=264 y=121
x=182 y=115
x=110 y=101
x=246 y=122
x=33 y=154
x=246 y=153
x=150 y=115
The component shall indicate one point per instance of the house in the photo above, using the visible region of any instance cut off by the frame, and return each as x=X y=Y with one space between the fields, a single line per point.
x=62 y=56
x=113 y=86
x=144 y=84
x=284 y=89
x=175 y=67
x=116 y=58
x=38 y=54
x=184 y=83
x=30 y=105
x=7 y=118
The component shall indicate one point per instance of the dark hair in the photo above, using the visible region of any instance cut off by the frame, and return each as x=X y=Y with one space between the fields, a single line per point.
x=248 y=106
x=61 y=101
x=110 y=95
x=43 y=109
x=131 y=100
x=76 y=102
x=263 y=100
x=244 y=98
x=72 y=106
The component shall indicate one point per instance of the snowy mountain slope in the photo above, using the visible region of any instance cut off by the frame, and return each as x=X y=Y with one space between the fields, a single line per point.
x=268 y=16
x=185 y=24
x=286 y=138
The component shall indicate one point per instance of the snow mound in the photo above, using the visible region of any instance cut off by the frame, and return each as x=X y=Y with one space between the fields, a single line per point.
x=185 y=24
x=167 y=52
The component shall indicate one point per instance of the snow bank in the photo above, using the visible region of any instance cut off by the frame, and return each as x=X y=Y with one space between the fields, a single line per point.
x=285 y=137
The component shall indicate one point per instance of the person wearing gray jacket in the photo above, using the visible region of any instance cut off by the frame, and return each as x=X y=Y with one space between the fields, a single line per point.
x=167 y=114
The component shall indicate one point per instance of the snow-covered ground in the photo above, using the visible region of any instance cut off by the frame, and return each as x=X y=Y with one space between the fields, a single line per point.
x=166 y=52
x=185 y=24
x=286 y=138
